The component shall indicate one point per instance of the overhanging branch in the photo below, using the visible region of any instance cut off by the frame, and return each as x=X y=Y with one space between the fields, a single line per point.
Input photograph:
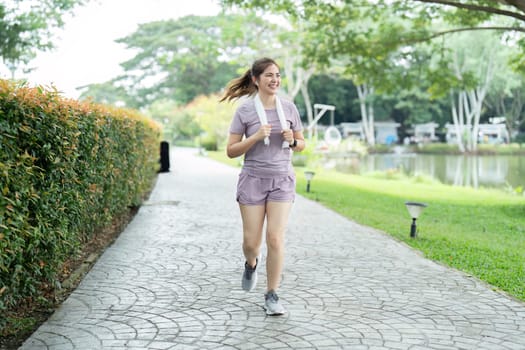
x=479 y=8
x=458 y=30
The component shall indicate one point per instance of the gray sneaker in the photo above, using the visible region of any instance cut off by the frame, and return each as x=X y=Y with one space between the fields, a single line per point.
x=272 y=305
x=249 y=276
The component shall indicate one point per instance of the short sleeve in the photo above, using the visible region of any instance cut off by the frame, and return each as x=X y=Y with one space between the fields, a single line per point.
x=237 y=126
x=292 y=115
x=297 y=125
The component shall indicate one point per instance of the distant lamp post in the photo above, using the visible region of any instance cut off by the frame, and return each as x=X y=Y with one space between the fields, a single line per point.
x=309 y=176
x=414 y=209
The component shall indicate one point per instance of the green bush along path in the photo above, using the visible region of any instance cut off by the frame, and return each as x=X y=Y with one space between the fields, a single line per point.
x=66 y=169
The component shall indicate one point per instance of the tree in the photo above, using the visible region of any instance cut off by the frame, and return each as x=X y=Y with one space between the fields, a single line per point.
x=354 y=50
x=190 y=56
x=332 y=89
x=26 y=27
x=176 y=58
x=182 y=59
x=508 y=103
x=107 y=93
x=469 y=11
x=212 y=117
x=331 y=20
x=178 y=124
x=376 y=39
x=374 y=70
x=506 y=97
x=297 y=70
x=474 y=65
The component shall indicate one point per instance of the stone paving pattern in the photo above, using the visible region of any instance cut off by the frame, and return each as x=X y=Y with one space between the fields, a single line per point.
x=172 y=281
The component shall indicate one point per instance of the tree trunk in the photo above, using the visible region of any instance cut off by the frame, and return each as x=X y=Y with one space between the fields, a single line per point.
x=514 y=116
x=297 y=81
x=367 y=112
x=307 y=103
x=477 y=96
x=457 y=119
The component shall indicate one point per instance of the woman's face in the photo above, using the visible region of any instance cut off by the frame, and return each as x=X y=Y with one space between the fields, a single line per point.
x=270 y=80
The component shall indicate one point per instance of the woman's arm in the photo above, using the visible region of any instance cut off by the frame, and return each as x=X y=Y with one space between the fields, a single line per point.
x=301 y=144
x=237 y=146
x=290 y=136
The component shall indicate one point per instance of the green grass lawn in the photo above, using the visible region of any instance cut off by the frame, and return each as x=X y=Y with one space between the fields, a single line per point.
x=478 y=231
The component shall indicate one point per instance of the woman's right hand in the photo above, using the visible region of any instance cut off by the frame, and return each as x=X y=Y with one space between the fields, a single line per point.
x=264 y=131
x=238 y=146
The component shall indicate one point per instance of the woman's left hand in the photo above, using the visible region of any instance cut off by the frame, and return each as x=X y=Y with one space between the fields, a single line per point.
x=287 y=135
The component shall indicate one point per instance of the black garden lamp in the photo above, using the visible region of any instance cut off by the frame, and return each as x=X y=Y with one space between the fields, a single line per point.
x=414 y=209
x=309 y=176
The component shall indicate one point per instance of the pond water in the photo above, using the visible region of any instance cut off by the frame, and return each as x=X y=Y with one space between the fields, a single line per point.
x=471 y=171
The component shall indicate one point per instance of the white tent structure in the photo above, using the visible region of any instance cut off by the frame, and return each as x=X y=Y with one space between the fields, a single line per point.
x=425 y=133
x=493 y=133
x=320 y=110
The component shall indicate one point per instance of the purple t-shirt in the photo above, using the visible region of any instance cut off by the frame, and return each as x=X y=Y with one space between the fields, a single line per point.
x=262 y=160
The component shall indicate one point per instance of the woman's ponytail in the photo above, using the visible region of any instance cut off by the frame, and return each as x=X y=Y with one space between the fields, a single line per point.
x=239 y=87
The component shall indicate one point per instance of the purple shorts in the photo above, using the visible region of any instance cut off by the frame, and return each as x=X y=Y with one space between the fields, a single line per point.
x=253 y=190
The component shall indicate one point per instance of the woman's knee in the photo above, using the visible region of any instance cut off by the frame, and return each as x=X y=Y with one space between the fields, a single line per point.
x=251 y=245
x=275 y=241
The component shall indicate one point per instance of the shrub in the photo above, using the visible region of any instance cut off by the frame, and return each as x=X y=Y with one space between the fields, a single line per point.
x=520 y=138
x=299 y=160
x=438 y=148
x=208 y=142
x=66 y=169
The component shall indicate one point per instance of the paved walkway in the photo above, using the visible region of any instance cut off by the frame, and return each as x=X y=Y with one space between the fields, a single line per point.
x=172 y=281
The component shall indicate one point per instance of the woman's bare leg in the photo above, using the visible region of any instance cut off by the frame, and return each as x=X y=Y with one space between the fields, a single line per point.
x=277 y=214
x=252 y=225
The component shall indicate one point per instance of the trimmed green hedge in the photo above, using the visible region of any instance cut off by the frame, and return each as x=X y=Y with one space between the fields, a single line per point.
x=66 y=169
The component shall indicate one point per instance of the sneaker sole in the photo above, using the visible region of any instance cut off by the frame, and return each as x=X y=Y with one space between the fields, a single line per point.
x=268 y=313
x=255 y=279
x=254 y=285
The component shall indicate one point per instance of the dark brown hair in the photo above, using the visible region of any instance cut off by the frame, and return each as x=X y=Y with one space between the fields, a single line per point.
x=244 y=85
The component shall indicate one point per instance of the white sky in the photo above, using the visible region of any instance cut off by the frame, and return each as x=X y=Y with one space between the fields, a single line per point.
x=85 y=51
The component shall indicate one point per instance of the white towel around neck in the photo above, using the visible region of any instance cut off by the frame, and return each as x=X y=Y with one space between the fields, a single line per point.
x=264 y=120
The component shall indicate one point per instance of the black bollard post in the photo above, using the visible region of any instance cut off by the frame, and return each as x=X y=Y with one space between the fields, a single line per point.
x=413 y=228
x=164 y=157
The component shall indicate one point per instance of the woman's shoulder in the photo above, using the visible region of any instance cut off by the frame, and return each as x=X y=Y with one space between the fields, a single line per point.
x=287 y=104
x=246 y=105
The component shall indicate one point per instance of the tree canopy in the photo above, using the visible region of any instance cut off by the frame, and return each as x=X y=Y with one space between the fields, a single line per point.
x=187 y=57
x=396 y=23
x=26 y=27
x=390 y=59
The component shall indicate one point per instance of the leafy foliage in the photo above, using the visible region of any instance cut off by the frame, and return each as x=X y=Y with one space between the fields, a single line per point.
x=190 y=56
x=184 y=58
x=66 y=168
x=407 y=48
x=26 y=27
x=179 y=126
x=373 y=35
x=213 y=118
x=108 y=93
